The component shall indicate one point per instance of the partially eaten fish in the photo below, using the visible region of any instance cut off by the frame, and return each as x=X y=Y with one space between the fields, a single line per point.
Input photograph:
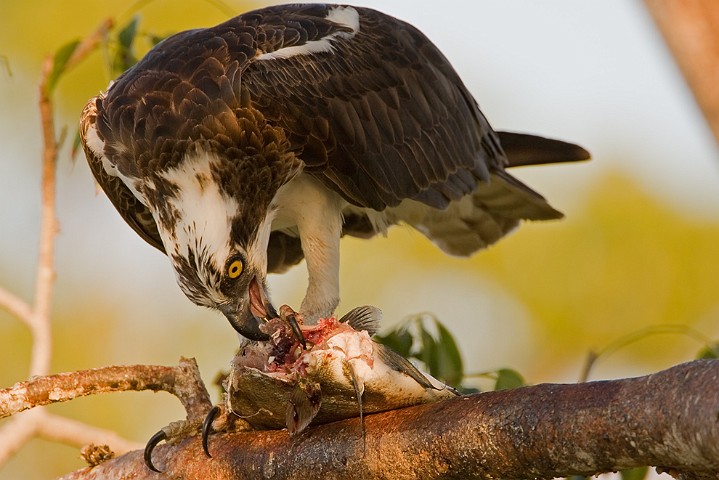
x=313 y=374
x=325 y=372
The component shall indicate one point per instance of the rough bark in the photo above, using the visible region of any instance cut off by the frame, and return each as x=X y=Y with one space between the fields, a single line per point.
x=691 y=30
x=668 y=419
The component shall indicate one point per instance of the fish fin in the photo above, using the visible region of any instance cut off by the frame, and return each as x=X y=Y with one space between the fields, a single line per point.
x=397 y=362
x=358 y=385
x=303 y=405
x=365 y=318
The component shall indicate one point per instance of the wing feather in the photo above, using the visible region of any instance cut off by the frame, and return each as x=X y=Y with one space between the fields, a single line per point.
x=132 y=211
x=399 y=121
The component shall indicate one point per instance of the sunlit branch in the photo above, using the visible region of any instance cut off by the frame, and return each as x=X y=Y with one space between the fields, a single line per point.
x=183 y=381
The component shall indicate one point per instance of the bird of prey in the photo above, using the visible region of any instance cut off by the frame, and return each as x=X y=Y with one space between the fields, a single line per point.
x=237 y=150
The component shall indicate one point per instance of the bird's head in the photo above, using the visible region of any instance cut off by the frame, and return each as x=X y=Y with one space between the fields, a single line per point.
x=229 y=281
x=217 y=244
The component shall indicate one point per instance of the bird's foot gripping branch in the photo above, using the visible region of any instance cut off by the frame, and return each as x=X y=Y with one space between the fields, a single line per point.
x=312 y=374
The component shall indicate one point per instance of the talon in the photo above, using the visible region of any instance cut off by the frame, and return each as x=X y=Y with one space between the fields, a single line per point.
x=296 y=330
x=207 y=428
x=271 y=312
x=154 y=441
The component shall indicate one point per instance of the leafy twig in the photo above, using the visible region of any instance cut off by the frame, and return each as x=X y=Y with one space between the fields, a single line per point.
x=17 y=431
x=635 y=336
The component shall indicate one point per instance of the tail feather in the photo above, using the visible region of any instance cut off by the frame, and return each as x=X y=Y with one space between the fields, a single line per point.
x=523 y=149
x=479 y=219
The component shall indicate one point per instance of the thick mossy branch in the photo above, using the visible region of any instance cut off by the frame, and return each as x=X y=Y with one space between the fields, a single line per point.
x=669 y=419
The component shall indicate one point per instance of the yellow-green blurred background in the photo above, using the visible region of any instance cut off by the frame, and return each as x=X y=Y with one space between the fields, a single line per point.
x=639 y=246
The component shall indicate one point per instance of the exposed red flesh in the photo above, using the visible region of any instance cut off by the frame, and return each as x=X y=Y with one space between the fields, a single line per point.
x=286 y=349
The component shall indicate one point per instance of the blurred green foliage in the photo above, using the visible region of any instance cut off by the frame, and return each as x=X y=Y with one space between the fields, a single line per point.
x=60 y=60
x=427 y=340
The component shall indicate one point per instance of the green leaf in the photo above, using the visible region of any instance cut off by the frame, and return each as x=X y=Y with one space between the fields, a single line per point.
x=467 y=390
x=440 y=355
x=76 y=144
x=127 y=35
x=452 y=369
x=427 y=352
x=638 y=473
x=508 y=378
x=59 y=63
x=400 y=341
x=424 y=338
x=709 y=352
x=124 y=57
x=6 y=64
x=155 y=39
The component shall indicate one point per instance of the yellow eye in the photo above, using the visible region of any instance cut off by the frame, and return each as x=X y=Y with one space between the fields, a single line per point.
x=234 y=269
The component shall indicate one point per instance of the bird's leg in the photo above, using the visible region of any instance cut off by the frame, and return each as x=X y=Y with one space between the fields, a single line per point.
x=218 y=419
x=316 y=211
x=320 y=235
x=170 y=433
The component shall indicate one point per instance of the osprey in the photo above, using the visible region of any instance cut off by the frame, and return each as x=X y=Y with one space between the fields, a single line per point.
x=237 y=150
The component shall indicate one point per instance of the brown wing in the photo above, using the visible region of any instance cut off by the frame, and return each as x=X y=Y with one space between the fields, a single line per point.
x=381 y=117
x=129 y=207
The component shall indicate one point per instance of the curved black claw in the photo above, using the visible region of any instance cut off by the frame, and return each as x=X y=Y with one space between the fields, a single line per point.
x=207 y=428
x=297 y=331
x=156 y=439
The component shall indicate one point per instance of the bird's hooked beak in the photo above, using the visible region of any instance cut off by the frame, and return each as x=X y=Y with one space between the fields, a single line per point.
x=252 y=309
x=260 y=305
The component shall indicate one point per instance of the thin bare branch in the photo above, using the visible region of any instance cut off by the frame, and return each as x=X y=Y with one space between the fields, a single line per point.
x=45 y=275
x=5 y=63
x=16 y=432
x=89 y=44
x=72 y=432
x=22 y=428
x=662 y=329
x=15 y=306
x=183 y=381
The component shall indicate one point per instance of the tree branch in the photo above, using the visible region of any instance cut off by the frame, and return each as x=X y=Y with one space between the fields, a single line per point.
x=72 y=432
x=15 y=306
x=88 y=44
x=690 y=29
x=183 y=381
x=668 y=419
x=16 y=433
x=45 y=275
x=19 y=430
